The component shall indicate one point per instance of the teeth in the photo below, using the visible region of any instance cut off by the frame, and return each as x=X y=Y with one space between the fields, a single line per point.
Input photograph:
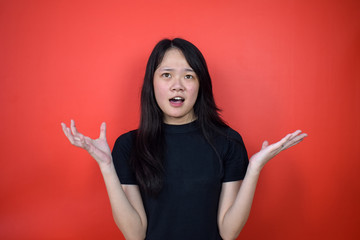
x=177 y=99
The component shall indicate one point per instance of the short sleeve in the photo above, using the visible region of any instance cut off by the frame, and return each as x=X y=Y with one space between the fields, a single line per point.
x=121 y=157
x=235 y=159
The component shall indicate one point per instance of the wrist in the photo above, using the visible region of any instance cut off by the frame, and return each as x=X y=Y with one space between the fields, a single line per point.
x=254 y=169
x=106 y=167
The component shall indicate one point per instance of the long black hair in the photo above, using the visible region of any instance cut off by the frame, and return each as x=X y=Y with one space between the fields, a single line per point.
x=147 y=155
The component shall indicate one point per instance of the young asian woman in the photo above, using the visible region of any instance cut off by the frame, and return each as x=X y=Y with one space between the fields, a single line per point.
x=184 y=173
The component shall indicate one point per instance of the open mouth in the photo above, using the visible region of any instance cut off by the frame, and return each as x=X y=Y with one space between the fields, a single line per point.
x=177 y=100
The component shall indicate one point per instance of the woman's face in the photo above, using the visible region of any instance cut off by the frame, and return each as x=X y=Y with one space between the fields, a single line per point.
x=176 y=88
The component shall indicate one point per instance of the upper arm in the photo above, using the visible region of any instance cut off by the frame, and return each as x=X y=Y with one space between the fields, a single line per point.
x=228 y=195
x=133 y=195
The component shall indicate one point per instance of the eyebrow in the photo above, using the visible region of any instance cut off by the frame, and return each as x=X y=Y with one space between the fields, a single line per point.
x=172 y=69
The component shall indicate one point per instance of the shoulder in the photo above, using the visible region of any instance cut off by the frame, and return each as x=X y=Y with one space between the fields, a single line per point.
x=121 y=154
x=233 y=135
x=125 y=141
x=234 y=155
x=230 y=143
x=228 y=134
x=126 y=137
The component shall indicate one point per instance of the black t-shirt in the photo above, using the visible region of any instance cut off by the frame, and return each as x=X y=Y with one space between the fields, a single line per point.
x=187 y=206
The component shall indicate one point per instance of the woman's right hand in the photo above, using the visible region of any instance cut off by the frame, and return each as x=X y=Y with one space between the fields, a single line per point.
x=97 y=148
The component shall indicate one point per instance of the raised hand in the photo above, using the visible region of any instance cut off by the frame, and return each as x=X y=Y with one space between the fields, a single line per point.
x=97 y=148
x=267 y=152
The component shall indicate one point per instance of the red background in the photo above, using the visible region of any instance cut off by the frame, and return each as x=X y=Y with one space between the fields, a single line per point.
x=276 y=66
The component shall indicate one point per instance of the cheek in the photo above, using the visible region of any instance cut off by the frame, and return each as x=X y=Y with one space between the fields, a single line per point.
x=194 y=90
x=159 y=91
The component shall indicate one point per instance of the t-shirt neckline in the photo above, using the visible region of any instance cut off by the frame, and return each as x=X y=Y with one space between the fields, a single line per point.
x=183 y=128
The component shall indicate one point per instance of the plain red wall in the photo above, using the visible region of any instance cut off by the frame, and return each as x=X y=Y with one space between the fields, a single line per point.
x=276 y=66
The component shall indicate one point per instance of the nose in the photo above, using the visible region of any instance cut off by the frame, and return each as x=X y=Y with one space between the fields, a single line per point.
x=177 y=84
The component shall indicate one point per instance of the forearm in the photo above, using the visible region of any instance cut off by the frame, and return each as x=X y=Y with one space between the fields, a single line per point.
x=129 y=221
x=237 y=215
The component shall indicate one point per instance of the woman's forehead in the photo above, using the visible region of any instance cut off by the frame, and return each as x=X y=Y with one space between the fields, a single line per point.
x=174 y=59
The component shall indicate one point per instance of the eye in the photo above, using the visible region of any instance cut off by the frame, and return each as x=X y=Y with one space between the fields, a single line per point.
x=188 y=76
x=166 y=75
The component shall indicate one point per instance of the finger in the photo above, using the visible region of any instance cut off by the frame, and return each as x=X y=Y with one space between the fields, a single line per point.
x=76 y=135
x=294 y=134
x=64 y=127
x=103 y=131
x=265 y=144
x=66 y=131
x=295 y=140
x=69 y=135
x=293 y=144
x=74 y=139
x=291 y=137
x=79 y=141
x=84 y=143
x=73 y=127
x=280 y=144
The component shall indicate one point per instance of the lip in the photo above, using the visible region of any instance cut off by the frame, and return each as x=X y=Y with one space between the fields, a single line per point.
x=177 y=103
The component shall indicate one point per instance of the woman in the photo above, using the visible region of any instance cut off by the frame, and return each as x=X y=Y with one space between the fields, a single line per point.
x=183 y=174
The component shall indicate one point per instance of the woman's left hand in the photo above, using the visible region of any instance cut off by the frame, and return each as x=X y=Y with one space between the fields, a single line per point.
x=267 y=152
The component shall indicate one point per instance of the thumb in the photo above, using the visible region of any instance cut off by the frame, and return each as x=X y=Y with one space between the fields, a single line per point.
x=265 y=144
x=103 y=131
